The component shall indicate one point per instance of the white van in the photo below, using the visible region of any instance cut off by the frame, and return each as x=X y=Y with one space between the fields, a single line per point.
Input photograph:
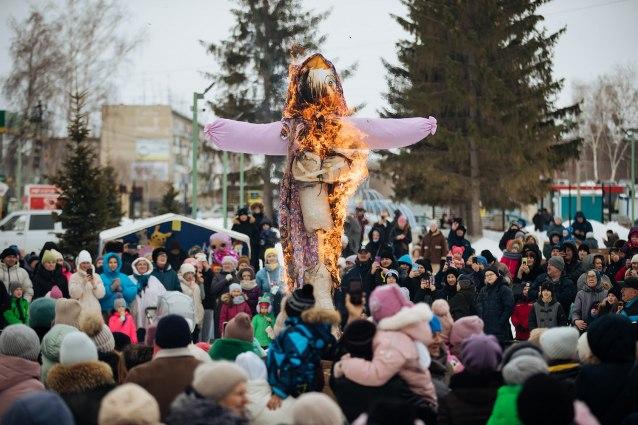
x=29 y=230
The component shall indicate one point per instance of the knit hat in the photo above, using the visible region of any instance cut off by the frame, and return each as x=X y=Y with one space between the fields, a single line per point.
x=584 y=351
x=48 y=257
x=42 y=313
x=77 y=347
x=217 y=379
x=13 y=286
x=38 y=408
x=316 y=409
x=254 y=367
x=556 y=261
x=457 y=250
x=264 y=301
x=172 y=332
x=67 y=312
x=522 y=348
x=441 y=309
x=55 y=293
x=351 y=259
x=634 y=259
x=465 y=281
x=560 y=343
x=129 y=404
x=10 y=251
x=535 y=336
x=392 y=272
x=489 y=257
x=463 y=328
x=234 y=287
x=480 y=353
x=230 y=259
x=300 y=300
x=386 y=301
x=612 y=339
x=519 y=369
x=57 y=254
x=239 y=327
x=357 y=338
x=186 y=268
x=249 y=269
x=270 y=251
x=119 y=301
x=545 y=400
x=83 y=257
x=20 y=341
x=481 y=260
x=50 y=347
x=435 y=325
x=93 y=325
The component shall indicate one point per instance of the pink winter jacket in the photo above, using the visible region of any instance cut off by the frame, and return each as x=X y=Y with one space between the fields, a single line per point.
x=18 y=377
x=127 y=327
x=394 y=352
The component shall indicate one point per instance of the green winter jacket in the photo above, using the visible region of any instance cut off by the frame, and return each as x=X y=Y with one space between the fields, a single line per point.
x=504 y=411
x=260 y=323
x=17 y=311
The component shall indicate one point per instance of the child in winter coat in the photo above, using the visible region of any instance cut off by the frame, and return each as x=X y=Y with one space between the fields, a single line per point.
x=457 y=260
x=400 y=345
x=122 y=321
x=546 y=311
x=17 y=310
x=520 y=314
x=263 y=323
x=294 y=357
x=233 y=303
x=512 y=256
x=249 y=287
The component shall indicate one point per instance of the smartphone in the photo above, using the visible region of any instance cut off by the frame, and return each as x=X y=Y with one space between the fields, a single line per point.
x=377 y=259
x=355 y=291
x=524 y=261
x=90 y=271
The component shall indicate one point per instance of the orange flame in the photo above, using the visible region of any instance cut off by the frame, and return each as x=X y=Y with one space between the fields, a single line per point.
x=327 y=135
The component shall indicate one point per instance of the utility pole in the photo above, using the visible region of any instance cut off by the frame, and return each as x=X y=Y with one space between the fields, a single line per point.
x=195 y=150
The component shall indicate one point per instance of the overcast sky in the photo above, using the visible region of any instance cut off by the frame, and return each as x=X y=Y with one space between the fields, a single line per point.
x=600 y=34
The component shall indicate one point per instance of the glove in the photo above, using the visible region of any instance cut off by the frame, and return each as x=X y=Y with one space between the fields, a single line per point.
x=229 y=277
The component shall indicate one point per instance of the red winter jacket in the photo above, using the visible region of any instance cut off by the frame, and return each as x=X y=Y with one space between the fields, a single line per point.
x=127 y=327
x=520 y=320
x=229 y=311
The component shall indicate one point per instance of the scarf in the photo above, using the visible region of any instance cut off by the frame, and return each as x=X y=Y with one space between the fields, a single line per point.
x=238 y=299
x=272 y=267
x=247 y=285
x=142 y=281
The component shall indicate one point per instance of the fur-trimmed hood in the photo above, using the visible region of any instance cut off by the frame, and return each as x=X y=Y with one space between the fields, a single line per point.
x=79 y=377
x=321 y=315
x=406 y=316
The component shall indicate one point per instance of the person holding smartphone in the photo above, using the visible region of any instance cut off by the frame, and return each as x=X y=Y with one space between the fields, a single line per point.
x=85 y=285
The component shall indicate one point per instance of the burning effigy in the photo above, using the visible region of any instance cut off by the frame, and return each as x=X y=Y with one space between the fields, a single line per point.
x=327 y=151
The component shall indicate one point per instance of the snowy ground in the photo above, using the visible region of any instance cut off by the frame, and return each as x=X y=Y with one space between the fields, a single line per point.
x=491 y=238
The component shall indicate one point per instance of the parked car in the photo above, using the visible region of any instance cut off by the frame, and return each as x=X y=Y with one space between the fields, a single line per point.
x=29 y=230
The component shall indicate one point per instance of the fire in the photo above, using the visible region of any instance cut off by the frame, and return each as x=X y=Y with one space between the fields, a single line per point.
x=316 y=98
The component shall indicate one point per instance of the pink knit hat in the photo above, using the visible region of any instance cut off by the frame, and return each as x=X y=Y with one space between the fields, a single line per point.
x=458 y=250
x=441 y=309
x=463 y=328
x=386 y=301
x=191 y=261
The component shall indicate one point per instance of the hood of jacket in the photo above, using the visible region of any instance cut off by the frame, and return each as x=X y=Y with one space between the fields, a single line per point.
x=106 y=270
x=6 y=268
x=148 y=262
x=189 y=408
x=580 y=214
x=14 y=370
x=79 y=377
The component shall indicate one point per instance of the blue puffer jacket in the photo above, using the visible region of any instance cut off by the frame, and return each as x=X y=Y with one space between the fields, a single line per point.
x=127 y=287
x=495 y=304
x=294 y=357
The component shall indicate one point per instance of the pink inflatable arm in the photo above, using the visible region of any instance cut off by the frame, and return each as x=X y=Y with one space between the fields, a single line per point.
x=243 y=137
x=389 y=133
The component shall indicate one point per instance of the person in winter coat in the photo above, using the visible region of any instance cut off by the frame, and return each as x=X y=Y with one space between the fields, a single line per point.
x=581 y=226
x=163 y=271
x=149 y=289
x=48 y=274
x=267 y=237
x=193 y=289
x=376 y=241
x=10 y=271
x=262 y=321
x=630 y=248
x=560 y=348
x=529 y=269
x=546 y=312
x=238 y=338
x=555 y=226
x=573 y=265
x=400 y=346
x=258 y=393
x=122 y=321
x=80 y=379
x=474 y=390
x=595 y=262
x=85 y=284
x=41 y=407
x=17 y=310
x=555 y=240
x=495 y=303
x=512 y=255
x=401 y=236
x=591 y=241
x=249 y=287
x=19 y=368
x=244 y=223
x=457 y=238
x=509 y=234
x=585 y=299
x=564 y=289
x=520 y=315
x=448 y=285
x=270 y=279
x=115 y=282
x=176 y=255
x=434 y=247
x=609 y=386
x=233 y=303
x=294 y=357
x=463 y=303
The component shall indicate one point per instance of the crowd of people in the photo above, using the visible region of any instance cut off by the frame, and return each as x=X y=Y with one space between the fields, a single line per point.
x=424 y=331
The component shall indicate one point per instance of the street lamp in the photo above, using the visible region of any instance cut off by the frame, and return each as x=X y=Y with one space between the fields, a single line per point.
x=195 y=150
x=631 y=134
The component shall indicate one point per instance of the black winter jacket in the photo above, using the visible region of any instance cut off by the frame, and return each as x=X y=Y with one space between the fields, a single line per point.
x=494 y=305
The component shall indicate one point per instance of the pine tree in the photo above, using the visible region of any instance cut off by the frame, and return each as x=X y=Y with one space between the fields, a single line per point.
x=484 y=69
x=169 y=202
x=112 y=199
x=82 y=201
x=254 y=64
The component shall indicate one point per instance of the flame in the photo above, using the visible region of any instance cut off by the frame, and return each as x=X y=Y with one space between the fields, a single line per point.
x=321 y=105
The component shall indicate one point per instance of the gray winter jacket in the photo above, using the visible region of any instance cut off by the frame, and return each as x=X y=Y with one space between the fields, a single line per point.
x=585 y=298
